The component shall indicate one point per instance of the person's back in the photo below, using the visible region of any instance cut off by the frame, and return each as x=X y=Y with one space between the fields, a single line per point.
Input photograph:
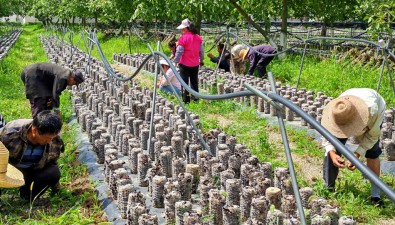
x=264 y=49
x=191 y=43
x=39 y=79
x=44 y=83
x=189 y=55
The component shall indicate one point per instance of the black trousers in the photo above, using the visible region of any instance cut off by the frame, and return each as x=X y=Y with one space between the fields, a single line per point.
x=190 y=76
x=330 y=172
x=40 y=104
x=43 y=179
x=262 y=64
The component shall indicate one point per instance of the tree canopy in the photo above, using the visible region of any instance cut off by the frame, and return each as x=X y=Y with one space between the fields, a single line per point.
x=378 y=13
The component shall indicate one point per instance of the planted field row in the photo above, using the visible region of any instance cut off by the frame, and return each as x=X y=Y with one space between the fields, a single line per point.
x=310 y=102
x=171 y=179
x=8 y=40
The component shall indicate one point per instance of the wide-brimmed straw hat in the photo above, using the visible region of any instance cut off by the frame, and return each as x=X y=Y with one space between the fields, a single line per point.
x=10 y=177
x=185 y=23
x=243 y=54
x=235 y=51
x=346 y=116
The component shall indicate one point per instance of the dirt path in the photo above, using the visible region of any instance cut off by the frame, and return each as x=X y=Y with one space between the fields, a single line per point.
x=310 y=168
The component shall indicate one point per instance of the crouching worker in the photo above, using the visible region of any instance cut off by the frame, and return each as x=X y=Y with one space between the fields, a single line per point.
x=34 y=148
x=164 y=85
x=223 y=59
x=357 y=113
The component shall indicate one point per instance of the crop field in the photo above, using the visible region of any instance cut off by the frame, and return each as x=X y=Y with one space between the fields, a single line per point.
x=244 y=150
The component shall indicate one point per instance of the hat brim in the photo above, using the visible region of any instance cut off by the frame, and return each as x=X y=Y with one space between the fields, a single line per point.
x=355 y=127
x=245 y=52
x=12 y=179
x=181 y=27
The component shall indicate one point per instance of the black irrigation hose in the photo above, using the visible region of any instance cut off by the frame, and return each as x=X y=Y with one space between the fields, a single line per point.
x=111 y=72
x=309 y=40
x=287 y=149
x=337 y=144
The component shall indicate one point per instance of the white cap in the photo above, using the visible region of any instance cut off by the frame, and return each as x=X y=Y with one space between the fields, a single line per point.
x=185 y=23
x=163 y=62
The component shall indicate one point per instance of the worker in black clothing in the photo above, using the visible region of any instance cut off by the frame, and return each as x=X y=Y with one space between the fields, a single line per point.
x=44 y=83
x=223 y=58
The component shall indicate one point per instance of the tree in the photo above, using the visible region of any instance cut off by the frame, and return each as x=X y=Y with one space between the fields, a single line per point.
x=45 y=10
x=10 y=7
x=380 y=14
x=251 y=21
x=326 y=11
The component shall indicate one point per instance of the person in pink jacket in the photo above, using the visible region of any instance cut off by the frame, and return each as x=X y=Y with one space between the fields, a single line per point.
x=189 y=55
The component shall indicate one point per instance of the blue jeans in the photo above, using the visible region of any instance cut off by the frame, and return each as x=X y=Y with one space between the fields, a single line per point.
x=167 y=89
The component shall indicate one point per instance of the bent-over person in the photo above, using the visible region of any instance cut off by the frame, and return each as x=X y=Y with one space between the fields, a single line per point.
x=44 y=83
x=357 y=113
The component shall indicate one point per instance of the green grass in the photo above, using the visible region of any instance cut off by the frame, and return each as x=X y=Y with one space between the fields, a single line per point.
x=26 y=50
x=120 y=44
x=77 y=202
x=331 y=76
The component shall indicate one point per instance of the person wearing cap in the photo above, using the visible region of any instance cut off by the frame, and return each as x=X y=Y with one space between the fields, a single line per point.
x=34 y=148
x=189 y=55
x=164 y=84
x=259 y=57
x=237 y=65
x=357 y=114
x=223 y=58
x=44 y=83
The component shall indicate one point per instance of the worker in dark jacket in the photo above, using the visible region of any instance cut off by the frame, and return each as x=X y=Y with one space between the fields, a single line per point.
x=258 y=59
x=34 y=148
x=44 y=83
x=223 y=58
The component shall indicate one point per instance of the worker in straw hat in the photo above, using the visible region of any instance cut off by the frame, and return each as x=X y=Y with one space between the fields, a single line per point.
x=34 y=149
x=164 y=85
x=45 y=82
x=357 y=113
x=237 y=65
x=259 y=56
x=10 y=177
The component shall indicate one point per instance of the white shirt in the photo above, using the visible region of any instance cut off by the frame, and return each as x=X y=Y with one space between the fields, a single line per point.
x=377 y=106
x=172 y=78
